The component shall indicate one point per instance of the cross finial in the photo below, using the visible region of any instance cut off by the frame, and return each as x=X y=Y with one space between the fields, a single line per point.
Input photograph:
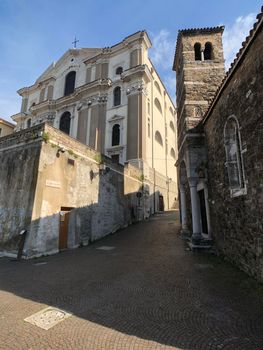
x=75 y=42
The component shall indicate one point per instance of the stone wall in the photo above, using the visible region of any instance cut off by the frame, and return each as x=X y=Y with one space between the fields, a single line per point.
x=196 y=81
x=48 y=172
x=237 y=224
x=19 y=158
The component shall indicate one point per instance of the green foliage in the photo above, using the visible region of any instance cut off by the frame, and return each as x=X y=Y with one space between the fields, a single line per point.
x=45 y=136
x=98 y=158
x=72 y=153
x=141 y=177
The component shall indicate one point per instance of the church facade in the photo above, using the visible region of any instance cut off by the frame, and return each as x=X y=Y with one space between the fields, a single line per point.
x=93 y=150
x=112 y=100
x=220 y=133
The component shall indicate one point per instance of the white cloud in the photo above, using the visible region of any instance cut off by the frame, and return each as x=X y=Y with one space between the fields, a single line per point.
x=162 y=51
x=169 y=81
x=162 y=55
x=235 y=34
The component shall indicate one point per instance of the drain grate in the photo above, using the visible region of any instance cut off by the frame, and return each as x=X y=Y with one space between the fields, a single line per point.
x=105 y=247
x=47 y=318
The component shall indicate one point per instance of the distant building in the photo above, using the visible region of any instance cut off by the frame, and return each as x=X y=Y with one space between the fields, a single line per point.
x=6 y=127
x=112 y=100
x=220 y=144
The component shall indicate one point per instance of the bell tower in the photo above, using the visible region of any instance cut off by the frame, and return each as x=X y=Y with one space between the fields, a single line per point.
x=199 y=66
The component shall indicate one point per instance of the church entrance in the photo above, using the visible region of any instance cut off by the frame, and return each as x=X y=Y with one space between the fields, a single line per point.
x=203 y=213
x=63 y=228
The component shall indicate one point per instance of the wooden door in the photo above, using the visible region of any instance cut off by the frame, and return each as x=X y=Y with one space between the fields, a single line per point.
x=63 y=230
x=161 y=203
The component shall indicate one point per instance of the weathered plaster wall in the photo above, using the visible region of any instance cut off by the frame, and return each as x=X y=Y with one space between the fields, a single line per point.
x=237 y=222
x=19 y=156
x=100 y=205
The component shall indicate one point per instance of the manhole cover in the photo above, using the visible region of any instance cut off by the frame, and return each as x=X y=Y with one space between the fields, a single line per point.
x=47 y=318
x=105 y=247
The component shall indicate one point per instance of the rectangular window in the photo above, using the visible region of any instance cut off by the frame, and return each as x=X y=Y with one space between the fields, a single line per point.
x=149 y=108
x=0 y=131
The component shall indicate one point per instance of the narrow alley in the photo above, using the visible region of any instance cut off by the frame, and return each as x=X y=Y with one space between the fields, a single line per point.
x=139 y=288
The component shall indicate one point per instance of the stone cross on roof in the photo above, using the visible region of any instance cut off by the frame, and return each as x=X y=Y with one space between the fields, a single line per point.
x=75 y=42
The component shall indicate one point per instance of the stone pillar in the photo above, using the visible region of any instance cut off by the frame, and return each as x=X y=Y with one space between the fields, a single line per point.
x=202 y=55
x=196 y=221
x=183 y=207
x=207 y=212
x=73 y=131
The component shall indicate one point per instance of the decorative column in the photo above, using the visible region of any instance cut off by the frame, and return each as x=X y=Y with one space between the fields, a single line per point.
x=196 y=220
x=202 y=55
x=183 y=208
x=209 y=229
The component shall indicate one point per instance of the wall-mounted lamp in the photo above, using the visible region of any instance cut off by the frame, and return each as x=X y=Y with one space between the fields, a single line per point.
x=60 y=150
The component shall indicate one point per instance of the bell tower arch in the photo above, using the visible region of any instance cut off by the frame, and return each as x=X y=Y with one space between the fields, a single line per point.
x=199 y=66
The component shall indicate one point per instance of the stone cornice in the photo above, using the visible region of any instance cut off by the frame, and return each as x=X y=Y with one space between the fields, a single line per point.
x=140 y=71
x=93 y=87
x=31 y=134
x=28 y=89
x=128 y=42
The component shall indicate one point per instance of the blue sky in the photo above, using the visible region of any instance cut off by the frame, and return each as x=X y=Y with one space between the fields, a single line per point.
x=35 y=33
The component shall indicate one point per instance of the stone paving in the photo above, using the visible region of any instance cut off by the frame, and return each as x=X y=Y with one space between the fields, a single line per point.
x=145 y=292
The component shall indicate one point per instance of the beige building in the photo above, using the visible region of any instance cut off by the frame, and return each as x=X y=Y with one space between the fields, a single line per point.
x=112 y=100
x=6 y=128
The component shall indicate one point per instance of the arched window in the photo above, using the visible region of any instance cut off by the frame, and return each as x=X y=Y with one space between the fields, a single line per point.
x=208 y=52
x=117 y=96
x=157 y=104
x=171 y=111
x=119 y=70
x=172 y=126
x=28 y=123
x=158 y=87
x=234 y=161
x=70 y=83
x=64 y=123
x=158 y=138
x=172 y=153
x=115 y=139
x=197 y=48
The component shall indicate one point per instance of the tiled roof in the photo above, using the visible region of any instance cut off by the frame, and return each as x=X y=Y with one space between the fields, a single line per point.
x=195 y=31
x=234 y=64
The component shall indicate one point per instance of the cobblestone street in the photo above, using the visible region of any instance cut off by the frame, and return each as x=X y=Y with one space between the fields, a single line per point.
x=142 y=290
